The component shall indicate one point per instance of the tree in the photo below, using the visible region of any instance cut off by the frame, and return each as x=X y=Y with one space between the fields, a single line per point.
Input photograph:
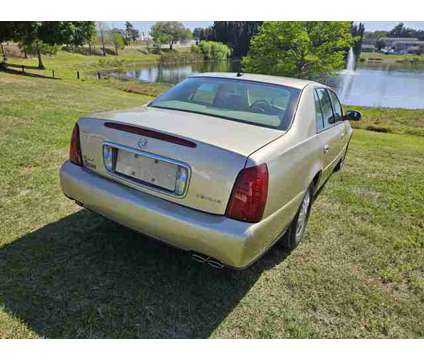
x=92 y=41
x=102 y=28
x=236 y=34
x=131 y=33
x=420 y=35
x=380 y=44
x=197 y=32
x=358 y=35
x=82 y=33
x=300 y=49
x=169 y=32
x=42 y=36
x=7 y=33
x=117 y=40
x=212 y=50
x=206 y=33
x=397 y=30
x=159 y=37
x=375 y=34
x=401 y=31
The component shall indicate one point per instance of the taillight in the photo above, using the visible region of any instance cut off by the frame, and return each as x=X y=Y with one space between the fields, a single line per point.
x=248 y=198
x=75 y=148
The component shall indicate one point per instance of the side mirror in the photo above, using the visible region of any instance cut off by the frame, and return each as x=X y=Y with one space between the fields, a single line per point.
x=353 y=115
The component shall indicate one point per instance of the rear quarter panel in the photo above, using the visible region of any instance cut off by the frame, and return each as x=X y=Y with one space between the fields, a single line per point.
x=293 y=160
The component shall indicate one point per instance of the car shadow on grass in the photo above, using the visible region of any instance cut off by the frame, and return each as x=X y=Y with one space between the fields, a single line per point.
x=84 y=276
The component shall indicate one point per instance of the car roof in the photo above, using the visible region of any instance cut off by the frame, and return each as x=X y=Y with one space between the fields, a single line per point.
x=270 y=79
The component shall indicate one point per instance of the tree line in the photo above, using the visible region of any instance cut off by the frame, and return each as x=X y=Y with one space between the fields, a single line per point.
x=398 y=31
x=43 y=37
x=235 y=34
x=296 y=48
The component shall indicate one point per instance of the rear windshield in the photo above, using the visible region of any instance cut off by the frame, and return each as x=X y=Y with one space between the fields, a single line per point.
x=246 y=101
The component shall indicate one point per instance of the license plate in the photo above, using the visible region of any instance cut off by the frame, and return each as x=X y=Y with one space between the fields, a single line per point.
x=148 y=170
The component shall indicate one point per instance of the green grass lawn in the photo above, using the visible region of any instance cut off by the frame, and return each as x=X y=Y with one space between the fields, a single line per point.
x=66 y=64
x=66 y=272
x=398 y=121
x=391 y=58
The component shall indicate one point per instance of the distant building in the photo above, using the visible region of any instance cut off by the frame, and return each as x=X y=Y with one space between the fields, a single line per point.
x=187 y=43
x=390 y=41
x=394 y=45
x=410 y=46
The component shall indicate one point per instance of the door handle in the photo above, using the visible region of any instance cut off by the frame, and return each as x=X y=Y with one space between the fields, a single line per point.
x=326 y=148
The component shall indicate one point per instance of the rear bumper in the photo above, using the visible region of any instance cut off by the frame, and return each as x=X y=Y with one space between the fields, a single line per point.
x=235 y=243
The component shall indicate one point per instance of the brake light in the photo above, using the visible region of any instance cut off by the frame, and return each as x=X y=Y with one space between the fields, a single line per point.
x=249 y=195
x=150 y=133
x=75 y=147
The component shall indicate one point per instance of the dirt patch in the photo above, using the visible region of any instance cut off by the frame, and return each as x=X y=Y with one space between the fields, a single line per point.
x=378 y=129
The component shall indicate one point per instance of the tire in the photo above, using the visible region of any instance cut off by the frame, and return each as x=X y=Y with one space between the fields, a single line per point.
x=295 y=232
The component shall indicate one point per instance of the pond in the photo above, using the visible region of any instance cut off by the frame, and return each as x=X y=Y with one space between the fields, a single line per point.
x=369 y=85
x=382 y=86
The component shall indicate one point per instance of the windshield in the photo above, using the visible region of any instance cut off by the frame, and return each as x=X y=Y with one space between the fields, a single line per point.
x=246 y=101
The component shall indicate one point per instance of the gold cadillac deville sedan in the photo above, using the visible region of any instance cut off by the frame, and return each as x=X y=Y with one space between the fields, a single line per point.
x=222 y=165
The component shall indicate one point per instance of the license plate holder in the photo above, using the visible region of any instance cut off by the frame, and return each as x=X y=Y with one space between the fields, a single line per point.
x=147 y=170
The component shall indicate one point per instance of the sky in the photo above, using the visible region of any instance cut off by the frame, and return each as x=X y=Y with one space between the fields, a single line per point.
x=389 y=25
x=144 y=26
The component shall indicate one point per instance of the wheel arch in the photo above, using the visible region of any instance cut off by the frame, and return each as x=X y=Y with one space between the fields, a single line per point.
x=314 y=178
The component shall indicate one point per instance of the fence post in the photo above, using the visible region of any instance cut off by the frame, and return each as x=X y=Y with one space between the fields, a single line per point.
x=53 y=73
x=98 y=76
x=78 y=75
x=23 y=69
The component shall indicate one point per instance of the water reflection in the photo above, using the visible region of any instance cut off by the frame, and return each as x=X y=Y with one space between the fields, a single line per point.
x=174 y=73
x=384 y=86
x=376 y=86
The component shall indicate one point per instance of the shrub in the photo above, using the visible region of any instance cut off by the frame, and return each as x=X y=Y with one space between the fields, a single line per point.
x=180 y=57
x=212 y=50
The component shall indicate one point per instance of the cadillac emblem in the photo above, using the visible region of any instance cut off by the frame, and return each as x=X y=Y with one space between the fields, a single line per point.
x=142 y=143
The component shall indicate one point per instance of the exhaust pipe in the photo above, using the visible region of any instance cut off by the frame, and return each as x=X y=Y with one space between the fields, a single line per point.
x=216 y=264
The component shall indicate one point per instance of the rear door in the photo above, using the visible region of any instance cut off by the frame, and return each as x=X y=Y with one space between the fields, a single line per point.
x=328 y=133
x=338 y=122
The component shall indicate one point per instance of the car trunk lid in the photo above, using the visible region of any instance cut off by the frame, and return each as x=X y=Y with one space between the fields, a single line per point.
x=153 y=146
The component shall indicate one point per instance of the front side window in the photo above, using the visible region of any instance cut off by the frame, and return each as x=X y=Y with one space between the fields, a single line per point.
x=245 y=101
x=326 y=108
x=337 y=107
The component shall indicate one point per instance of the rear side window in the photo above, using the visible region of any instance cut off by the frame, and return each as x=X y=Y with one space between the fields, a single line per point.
x=319 y=119
x=326 y=108
x=337 y=107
